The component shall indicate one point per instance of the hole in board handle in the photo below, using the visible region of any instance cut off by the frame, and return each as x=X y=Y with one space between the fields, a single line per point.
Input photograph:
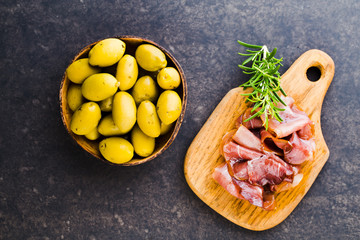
x=313 y=74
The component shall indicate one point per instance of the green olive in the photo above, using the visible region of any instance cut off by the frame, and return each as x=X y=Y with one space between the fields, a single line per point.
x=145 y=89
x=148 y=119
x=106 y=52
x=85 y=118
x=124 y=111
x=107 y=127
x=150 y=57
x=106 y=104
x=79 y=70
x=168 y=78
x=99 y=86
x=93 y=135
x=168 y=106
x=143 y=144
x=165 y=128
x=74 y=96
x=116 y=150
x=127 y=72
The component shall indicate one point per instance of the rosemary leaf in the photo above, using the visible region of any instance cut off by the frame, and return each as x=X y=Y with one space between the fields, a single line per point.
x=265 y=82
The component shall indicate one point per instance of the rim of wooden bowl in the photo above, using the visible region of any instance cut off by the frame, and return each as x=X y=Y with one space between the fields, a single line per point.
x=89 y=145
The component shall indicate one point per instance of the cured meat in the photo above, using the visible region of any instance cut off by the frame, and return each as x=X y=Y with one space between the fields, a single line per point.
x=260 y=163
x=238 y=188
x=240 y=170
x=222 y=176
x=267 y=170
x=293 y=119
x=254 y=194
x=284 y=186
x=306 y=132
x=296 y=150
x=272 y=144
x=235 y=152
x=226 y=139
x=251 y=124
x=299 y=150
x=246 y=138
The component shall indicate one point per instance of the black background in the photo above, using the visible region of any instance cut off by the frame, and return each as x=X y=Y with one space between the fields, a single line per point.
x=51 y=189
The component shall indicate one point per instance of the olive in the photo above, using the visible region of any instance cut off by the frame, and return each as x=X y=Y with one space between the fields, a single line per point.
x=74 y=97
x=124 y=111
x=168 y=78
x=145 y=89
x=148 y=119
x=127 y=72
x=107 y=127
x=93 y=135
x=106 y=104
x=106 y=52
x=168 y=106
x=85 y=118
x=79 y=70
x=99 y=86
x=150 y=57
x=143 y=144
x=116 y=149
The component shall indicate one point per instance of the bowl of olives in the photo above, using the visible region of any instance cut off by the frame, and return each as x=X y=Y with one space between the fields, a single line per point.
x=123 y=99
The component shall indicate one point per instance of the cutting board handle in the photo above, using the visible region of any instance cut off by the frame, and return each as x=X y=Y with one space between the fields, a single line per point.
x=302 y=86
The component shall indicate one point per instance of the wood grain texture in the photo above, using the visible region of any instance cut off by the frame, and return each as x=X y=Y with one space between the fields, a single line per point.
x=162 y=142
x=203 y=154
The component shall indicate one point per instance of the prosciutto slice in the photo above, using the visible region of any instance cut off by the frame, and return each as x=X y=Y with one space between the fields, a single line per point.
x=272 y=144
x=254 y=194
x=307 y=132
x=235 y=152
x=222 y=176
x=251 y=124
x=238 y=188
x=293 y=119
x=240 y=170
x=268 y=170
x=299 y=150
x=243 y=189
x=260 y=163
x=246 y=138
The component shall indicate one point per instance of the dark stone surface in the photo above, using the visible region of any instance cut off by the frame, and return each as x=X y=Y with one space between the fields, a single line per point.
x=51 y=189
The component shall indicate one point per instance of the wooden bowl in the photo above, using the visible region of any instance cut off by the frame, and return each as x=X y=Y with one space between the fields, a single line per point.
x=162 y=142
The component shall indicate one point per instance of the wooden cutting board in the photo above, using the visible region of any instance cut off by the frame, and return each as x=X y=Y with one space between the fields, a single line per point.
x=203 y=154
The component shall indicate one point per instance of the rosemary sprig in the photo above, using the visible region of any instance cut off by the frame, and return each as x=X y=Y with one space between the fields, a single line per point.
x=265 y=81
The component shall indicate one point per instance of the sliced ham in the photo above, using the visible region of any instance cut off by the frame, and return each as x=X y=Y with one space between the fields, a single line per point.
x=299 y=150
x=268 y=170
x=272 y=144
x=254 y=194
x=221 y=175
x=260 y=163
x=290 y=170
x=306 y=132
x=246 y=138
x=240 y=170
x=284 y=186
x=226 y=139
x=251 y=124
x=235 y=152
x=238 y=188
x=293 y=119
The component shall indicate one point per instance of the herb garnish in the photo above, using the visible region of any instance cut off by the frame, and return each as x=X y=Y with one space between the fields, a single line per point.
x=265 y=82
